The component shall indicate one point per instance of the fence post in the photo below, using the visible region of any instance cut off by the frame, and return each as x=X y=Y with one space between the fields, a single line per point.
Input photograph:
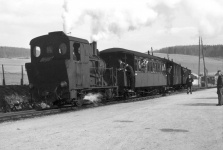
x=22 y=76
x=3 y=73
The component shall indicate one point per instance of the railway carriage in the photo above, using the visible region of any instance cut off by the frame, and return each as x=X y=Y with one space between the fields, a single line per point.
x=150 y=71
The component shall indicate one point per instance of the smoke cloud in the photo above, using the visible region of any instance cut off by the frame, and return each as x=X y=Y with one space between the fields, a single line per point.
x=116 y=17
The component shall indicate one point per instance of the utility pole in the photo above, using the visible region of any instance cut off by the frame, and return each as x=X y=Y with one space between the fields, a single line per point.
x=205 y=76
x=3 y=73
x=22 y=76
x=199 y=61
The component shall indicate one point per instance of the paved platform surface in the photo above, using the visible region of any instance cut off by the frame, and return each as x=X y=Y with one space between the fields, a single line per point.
x=178 y=122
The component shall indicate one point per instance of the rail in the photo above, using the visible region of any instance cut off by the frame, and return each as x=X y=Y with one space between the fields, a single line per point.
x=34 y=113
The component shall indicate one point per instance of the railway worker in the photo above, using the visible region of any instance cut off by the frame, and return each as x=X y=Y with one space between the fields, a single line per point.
x=168 y=71
x=189 y=82
x=219 y=88
x=129 y=74
x=122 y=64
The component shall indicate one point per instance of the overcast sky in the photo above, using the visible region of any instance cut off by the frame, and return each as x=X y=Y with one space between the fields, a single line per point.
x=134 y=24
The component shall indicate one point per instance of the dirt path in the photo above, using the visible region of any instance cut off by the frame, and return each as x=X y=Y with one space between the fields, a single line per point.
x=185 y=122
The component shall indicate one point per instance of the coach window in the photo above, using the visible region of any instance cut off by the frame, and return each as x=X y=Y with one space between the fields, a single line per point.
x=139 y=65
x=144 y=63
x=158 y=67
x=153 y=67
x=36 y=51
x=150 y=66
x=136 y=64
x=163 y=67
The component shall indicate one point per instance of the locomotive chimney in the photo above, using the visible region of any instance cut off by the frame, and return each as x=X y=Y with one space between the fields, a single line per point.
x=94 y=47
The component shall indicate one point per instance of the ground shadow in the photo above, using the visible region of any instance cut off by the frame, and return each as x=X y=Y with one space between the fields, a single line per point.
x=202 y=104
x=206 y=98
x=173 y=130
x=125 y=121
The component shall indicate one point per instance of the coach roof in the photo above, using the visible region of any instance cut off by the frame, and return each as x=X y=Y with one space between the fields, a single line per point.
x=122 y=50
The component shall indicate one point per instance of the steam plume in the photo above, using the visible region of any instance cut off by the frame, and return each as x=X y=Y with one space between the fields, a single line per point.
x=94 y=98
x=116 y=17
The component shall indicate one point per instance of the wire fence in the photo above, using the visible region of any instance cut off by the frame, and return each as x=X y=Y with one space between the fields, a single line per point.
x=13 y=75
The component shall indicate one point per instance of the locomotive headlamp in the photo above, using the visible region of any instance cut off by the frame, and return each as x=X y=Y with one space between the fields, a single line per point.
x=63 y=84
x=31 y=85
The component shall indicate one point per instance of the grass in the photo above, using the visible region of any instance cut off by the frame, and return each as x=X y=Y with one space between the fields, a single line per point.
x=12 y=69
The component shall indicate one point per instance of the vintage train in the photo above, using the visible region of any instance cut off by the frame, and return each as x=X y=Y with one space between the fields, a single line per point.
x=63 y=69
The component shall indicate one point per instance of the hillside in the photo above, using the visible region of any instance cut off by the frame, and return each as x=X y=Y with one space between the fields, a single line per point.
x=191 y=62
x=209 y=50
x=14 y=52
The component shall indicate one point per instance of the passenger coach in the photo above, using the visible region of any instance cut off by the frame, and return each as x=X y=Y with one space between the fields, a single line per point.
x=150 y=71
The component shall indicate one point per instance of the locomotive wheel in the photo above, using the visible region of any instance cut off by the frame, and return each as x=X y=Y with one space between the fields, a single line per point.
x=78 y=102
x=109 y=94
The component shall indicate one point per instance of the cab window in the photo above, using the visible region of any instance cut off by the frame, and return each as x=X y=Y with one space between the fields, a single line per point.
x=62 y=48
x=77 y=51
x=36 y=51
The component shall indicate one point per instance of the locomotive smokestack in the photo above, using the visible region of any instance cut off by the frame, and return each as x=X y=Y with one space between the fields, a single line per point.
x=94 y=47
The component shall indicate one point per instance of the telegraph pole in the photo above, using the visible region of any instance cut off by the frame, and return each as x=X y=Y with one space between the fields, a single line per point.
x=205 y=76
x=199 y=61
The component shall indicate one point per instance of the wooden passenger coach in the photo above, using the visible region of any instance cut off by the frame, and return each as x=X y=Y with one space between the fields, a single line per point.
x=150 y=71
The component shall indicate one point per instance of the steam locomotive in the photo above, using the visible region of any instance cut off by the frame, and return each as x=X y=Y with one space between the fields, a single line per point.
x=63 y=69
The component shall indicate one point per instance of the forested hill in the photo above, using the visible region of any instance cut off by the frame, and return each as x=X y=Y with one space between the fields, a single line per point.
x=209 y=50
x=13 y=52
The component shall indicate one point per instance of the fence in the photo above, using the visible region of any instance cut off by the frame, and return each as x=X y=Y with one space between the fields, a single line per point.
x=13 y=75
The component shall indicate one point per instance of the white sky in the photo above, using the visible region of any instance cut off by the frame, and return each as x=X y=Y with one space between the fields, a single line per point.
x=134 y=24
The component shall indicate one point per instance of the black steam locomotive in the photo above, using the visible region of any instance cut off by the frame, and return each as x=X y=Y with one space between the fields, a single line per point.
x=63 y=69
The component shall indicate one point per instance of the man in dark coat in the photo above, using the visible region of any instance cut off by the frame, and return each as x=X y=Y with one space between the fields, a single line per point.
x=129 y=74
x=219 y=88
x=189 y=82
x=168 y=72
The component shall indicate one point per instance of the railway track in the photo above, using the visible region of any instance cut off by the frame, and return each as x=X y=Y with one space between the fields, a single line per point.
x=36 y=113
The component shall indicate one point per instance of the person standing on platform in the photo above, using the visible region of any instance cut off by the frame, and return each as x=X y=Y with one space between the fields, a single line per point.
x=189 y=82
x=219 y=88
